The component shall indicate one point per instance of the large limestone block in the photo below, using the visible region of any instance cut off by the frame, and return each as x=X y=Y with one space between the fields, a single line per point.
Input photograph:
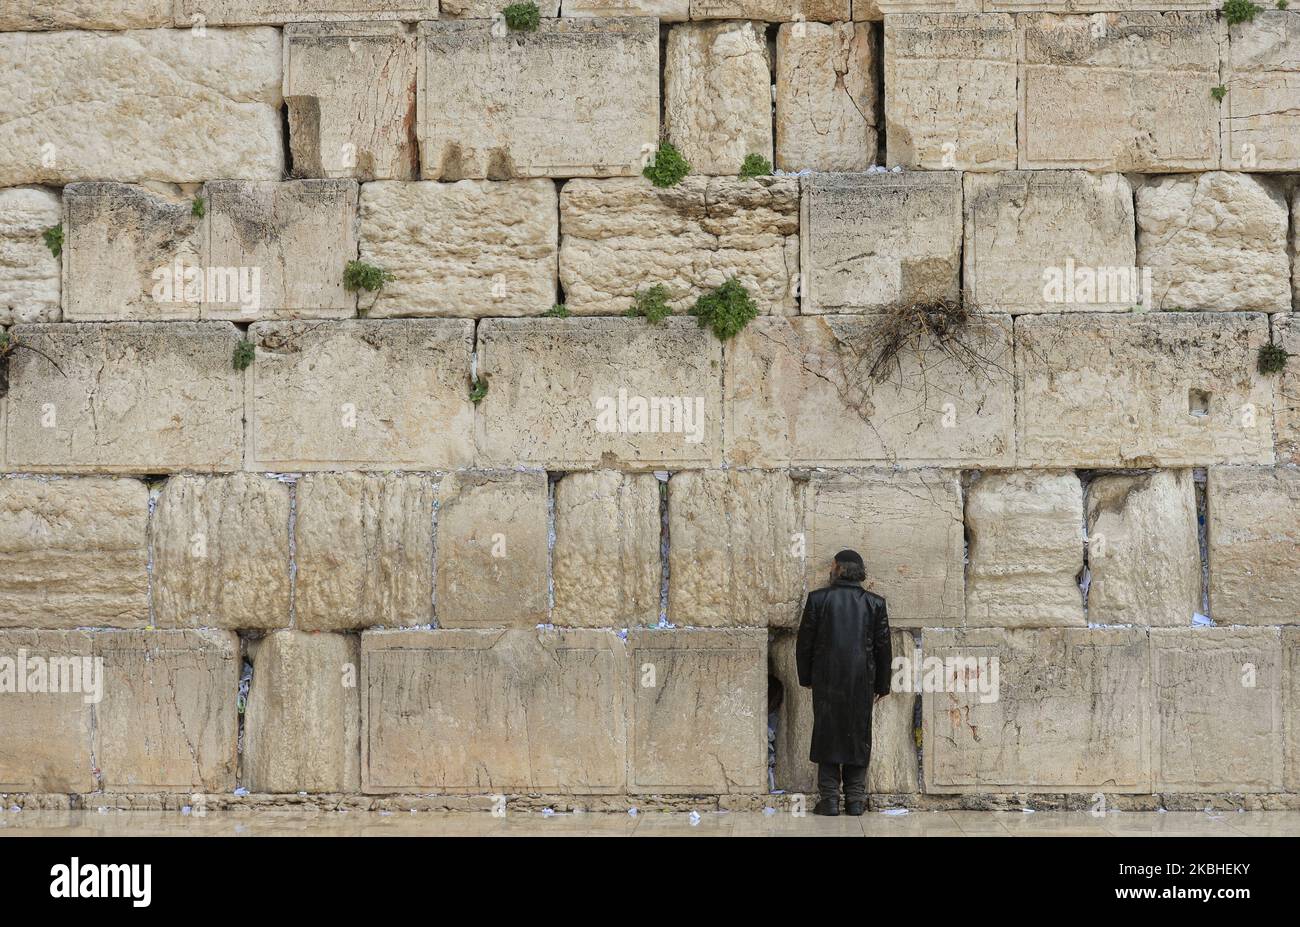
x=73 y=553
x=1025 y=531
x=29 y=273
x=149 y=104
x=771 y=10
x=1260 y=121
x=1050 y=241
x=42 y=15
x=718 y=94
x=800 y=392
x=826 y=97
x=587 y=393
x=221 y=553
x=698 y=711
x=1286 y=391
x=362 y=395
x=125 y=397
x=302 y=727
x=490 y=9
x=908 y=526
x=577 y=98
x=1166 y=389
x=364 y=550
x=1089 y=6
x=1065 y=710
x=950 y=91
x=607 y=564
x=1143 y=551
x=492 y=550
x=664 y=10
x=350 y=89
x=879 y=241
x=622 y=236
x=169 y=719
x=241 y=12
x=1254 y=531
x=1291 y=708
x=493 y=711
x=735 y=551
x=473 y=248
x=1215 y=241
x=1217 y=707
x=1119 y=92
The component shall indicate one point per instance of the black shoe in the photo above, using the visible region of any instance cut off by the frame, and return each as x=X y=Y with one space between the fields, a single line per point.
x=828 y=807
x=856 y=808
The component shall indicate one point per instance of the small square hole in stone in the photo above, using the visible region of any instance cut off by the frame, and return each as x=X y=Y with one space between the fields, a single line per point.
x=1198 y=402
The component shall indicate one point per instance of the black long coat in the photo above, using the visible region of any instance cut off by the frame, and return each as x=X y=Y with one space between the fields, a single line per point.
x=843 y=652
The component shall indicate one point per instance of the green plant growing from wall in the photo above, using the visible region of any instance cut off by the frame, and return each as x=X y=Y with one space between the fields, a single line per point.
x=1219 y=92
x=558 y=311
x=478 y=389
x=522 y=17
x=358 y=275
x=725 y=310
x=1282 y=4
x=651 y=304
x=245 y=354
x=1271 y=359
x=667 y=167
x=199 y=209
x=755 y=165
x=53 y=238
x=1240 y=11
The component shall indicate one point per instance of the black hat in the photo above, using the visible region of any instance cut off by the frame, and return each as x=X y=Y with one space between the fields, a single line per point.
x=849 y=556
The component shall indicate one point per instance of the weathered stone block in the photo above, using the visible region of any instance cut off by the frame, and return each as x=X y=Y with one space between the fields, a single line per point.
x=607 y=565
x=1254 y=532
x=801 y=392
x=125 y=397
x=950 y=91
x=192 y=106
x=771 y=10
x=29 y=273
x=1215 y=241
x=664 y=10
x=1259 y=119
x=41 y=15
x=1291 y=708
x=73 y=553
x=587 y=393
x=473 y=248
x=623 y=236
x=1069 y=710
x=302 y=727
x=364 y=395
x=489 y=9
x=492 y=550
x=1025 y=531
x=221 y=553
x=364 y=550
x=1119 y=92
x=1143 y=552
x=826 y=97
x=242 y=12
x=1050 y=241
x=718 y=94
x=493 y=711
x=908 y=526
x=880 y=241
x=698 y=711
x=1217 y=705
x=1286 y=391
x=577 y=98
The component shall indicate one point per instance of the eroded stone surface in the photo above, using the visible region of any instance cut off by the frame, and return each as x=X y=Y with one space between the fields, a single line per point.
x=1290 y=706
x=772 y=10
x=826 y=97
x=1286 y=388
x=665 y=10
x=238 y=12
x=1254 y=531
x=29 y=272
x=1260 y=124
x=488 y=9
x=42 y=15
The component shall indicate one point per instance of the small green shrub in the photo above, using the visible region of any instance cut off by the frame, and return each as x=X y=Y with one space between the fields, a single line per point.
x=199 y=209
x=755 y=165
x=651 y=304
x=244 y=355
x=4 y=341
x=478 y=388
x=53 y=238
x=558 y=311
x=725 y=310
x=1282 y=4
x=668 y=167
x=1219 y=92
x=1272 y=359
x=358 y=275
x=1240 y=11
x=522 y=17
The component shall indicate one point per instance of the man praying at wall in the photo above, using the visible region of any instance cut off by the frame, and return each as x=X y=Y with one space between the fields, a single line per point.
x=843 y=653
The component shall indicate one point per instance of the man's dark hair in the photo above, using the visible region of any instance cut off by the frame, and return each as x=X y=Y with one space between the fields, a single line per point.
x=852 y=568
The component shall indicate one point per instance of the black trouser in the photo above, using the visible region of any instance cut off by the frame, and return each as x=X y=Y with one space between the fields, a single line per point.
x=855 y=781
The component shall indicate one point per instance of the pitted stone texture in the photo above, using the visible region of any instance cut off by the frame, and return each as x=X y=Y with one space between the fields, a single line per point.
x=192 y=107
x=580 y=394
x=473 y=248
x=665 y=10
x=879 y=241
x=492 y=543
x=1260 y=120
x=1050 y=241
x=364 y=550
x=908 y=526
x=1295 y=249
x=1166 y=389
x=1286 y=391
x=29 y=273
x=1070 y=711
x=1119 y=91
x=494 y=711
x=734 y=557
x=362 y=395
x=47 y=737
x=718 y=94
x=950 y=91
x=302 y=727
x=221 y=553
x=351 y=91
x=1092 y=6
x=275 y=12
x=626 y=235
x=489 y=9
x=1143 y=552
x=772 y=10
x=607 y=550
x=577 y=98
x=826 y=97
x=1215 y=241
x=1254 y=530
x=126 y=397
x=73 y=553
x=1217 y=710
x=698 y=711
x=1291 y=708
x=42 y=15
x=799 y=392
x=1025 y=530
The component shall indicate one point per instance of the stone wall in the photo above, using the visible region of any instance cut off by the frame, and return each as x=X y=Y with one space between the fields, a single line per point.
x=273 y=532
